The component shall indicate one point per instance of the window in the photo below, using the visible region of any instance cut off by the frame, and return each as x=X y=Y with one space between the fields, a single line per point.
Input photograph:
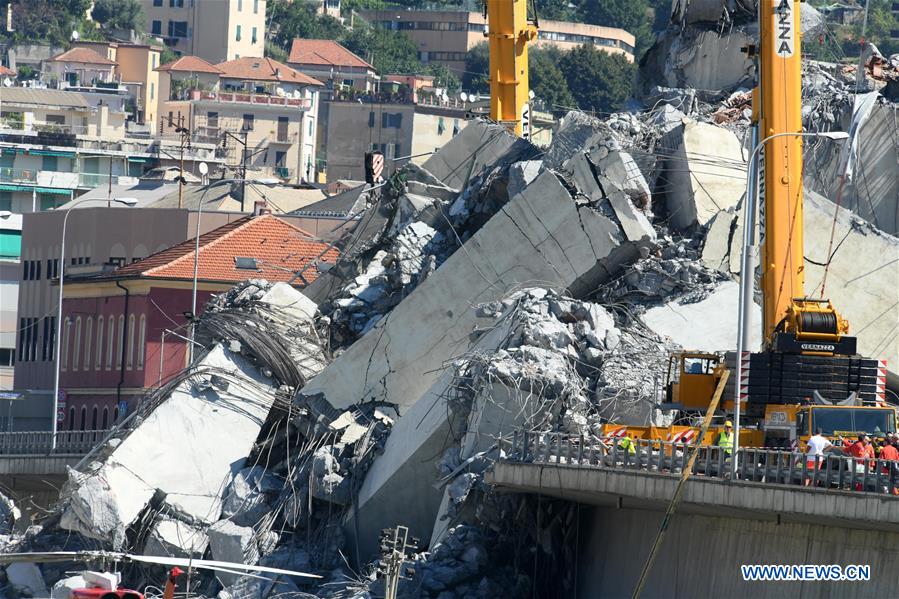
x=239 y=5
x=309 y=128
x=371 y=119
x=99 y=359
x=255 y=7
x=64 y=360
x=21 y=339
x=83 y=416
x=121 y=348
x=115 y=415
x=157 y=2
x=6 y=356
x=37 y=270
x=130 y=362
x=49 y=201
x=34 y=333
x=76 y=348
x=238 y=33
x=105 y=418
x=51 y=352
x=49 y=163
x=154 y=57
x=247 y=122
x=141 y=343
x=176 y=3
x=280 y=158
x=178 y=29
x=110 y=347
x=72 y=418
x=46 y=338
x=156 y=28
x=6 y=200
x=94 y=419
x=152 y=90
x=392 y=120
x=441 y=126
x=88 y=337
x=253 y=38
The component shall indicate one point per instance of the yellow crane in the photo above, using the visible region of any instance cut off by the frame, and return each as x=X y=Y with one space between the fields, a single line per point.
x=509 y=32
x=791 y=321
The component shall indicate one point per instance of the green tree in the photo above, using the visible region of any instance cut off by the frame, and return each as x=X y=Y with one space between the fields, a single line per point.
x=630 y=15
x=444 y=77
x=598 y=81
x=48 y=21
x=546 y=79
x=290 y=20
x=118 y=14
x=476 y=77
x=558 y=10
x=387 y=51
x=167 y=55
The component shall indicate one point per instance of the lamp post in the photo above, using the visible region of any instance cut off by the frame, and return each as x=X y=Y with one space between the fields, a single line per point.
x=747 y=265
x=202 y=202
x=58 y=340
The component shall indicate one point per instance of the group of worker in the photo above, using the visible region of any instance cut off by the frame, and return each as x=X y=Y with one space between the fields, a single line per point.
x=862 y=449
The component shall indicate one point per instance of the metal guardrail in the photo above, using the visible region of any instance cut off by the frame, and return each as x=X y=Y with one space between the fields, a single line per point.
x=766 y=466
x=17 y=175
x=39 y=442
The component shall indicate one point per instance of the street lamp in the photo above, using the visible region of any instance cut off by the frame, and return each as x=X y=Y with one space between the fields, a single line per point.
x=200 y=204
x=62 y=271
x=747 y=266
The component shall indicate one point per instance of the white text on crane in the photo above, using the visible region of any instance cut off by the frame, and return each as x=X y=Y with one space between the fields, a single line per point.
x=786 y=24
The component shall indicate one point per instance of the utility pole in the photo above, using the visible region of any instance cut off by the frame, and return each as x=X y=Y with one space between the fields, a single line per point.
x=245 y=156
x=396 y=547
x=184 y=132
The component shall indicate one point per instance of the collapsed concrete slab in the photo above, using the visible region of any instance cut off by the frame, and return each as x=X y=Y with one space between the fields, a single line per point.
x=186 y=450
x=705 y=173
x=718 y=242
x=541 y=235
x=707 y=325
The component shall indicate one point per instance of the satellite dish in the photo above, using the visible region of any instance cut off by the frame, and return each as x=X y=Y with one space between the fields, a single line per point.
x=203 y=168
x=75 y=36
x=7 y=82
x=531 y=94
x=463 y=96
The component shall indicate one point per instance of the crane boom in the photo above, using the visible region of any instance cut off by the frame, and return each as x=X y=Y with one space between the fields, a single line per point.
x=791 y=321
x=509 y=32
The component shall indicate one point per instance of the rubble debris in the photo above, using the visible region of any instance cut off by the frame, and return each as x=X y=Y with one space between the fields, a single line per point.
x=25 y=579
x=9 y=514
x=229 y=542
x=717 y=248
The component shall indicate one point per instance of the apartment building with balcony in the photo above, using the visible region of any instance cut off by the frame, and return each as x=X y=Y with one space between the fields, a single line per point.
x=446 y=36
x=215 y=30
x=257 y=104
x=10 y=250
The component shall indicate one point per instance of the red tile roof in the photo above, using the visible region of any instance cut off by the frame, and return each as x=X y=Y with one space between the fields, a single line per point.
x=85 y=55
x=264 y=69
x=326 y=53
x=5 y=72
x=190 y=64
x=280 y=250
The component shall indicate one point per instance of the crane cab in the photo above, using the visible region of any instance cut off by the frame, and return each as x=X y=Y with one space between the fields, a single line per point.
x=691 y=380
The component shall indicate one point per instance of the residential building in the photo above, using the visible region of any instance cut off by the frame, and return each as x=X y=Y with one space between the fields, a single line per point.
x=6 y=72
x=135 y=70
x=215 y=30
x=124 y=329
x=446 y=36
x=330 y=8
x=79 y=68
x=396 y=129
x=55 y=145
x=256 y=107
x=10 y=250
x=332 y=64
x=97 y=237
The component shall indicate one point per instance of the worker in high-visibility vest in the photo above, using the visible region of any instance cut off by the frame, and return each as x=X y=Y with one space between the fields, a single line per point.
x=627 y=445
x=726 y=439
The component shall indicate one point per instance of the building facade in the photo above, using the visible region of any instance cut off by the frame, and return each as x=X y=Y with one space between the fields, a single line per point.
x=445 y=36
x=96 y=238
x=396 y=130
x=215 y=30
x=124 y=330
x=259 y=104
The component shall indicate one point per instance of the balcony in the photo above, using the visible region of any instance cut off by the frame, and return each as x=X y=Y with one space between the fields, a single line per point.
x=17 y=175
x=61 y=180
x=43 y=128
x=248 y=98
x=283 y=172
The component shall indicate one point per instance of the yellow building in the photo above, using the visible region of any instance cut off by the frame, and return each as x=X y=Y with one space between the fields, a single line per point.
x=258 y=101
x=446 y=36
x=136 y=70
x=215 y=30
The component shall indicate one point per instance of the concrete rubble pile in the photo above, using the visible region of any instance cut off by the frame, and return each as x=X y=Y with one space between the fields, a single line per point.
x=492 y=289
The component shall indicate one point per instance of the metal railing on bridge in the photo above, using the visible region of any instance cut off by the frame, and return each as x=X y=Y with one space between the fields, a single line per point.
x=766 y=466
x=39 y=442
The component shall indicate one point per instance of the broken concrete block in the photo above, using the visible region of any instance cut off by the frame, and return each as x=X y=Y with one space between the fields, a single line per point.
x=521 y=174
x=9 y=514
x=577 y=133
x=176 y=539
x=245 y=499
x=232 y=543
x=633 y=222
x=623 y=170
x=186 y=448
x=705 y=175
x=63 y=588
x=707 y=325
x=26 y=577
x=717 y=246
x=735 y=255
